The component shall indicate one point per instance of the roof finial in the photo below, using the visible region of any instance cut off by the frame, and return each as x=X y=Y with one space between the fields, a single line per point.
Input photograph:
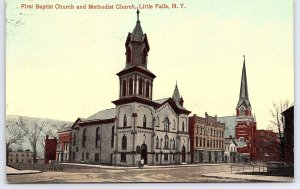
x=244 y=58
x=176 y=82
x=138 y=16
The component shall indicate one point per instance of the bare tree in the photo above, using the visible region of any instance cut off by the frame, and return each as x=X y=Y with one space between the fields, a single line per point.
x=277 y=122
x=32 y=132
x=13 y=135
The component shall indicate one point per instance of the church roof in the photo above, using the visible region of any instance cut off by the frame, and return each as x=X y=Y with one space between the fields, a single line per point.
x=104 y=114
x=176 y=94
x=244 y=97
x=160 y=101
x=229 y=125
x=137 y=33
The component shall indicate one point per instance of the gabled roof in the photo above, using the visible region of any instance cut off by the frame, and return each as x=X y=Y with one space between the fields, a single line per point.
x=229 y=125
x=176 y=107
x=104 y=114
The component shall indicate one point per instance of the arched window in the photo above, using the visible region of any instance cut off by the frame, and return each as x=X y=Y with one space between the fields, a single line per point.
x=128 y=54
x=147 y=89
x=74 y=139
x=141 y=84
x=166 y=146
x=112 y=136
x=242 y=111
x=124 y=88
x=83 y=137
x=130 y=86
x=98 y=137
x=183 y=126
x=144 y=121
x=166 y=124
x=157 y=143
x=124 y=142
x=124 y=121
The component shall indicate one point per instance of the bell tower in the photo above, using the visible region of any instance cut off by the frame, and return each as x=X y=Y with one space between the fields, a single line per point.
x=135 y=79
x=245 y=128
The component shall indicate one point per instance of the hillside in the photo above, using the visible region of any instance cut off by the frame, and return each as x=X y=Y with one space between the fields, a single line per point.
x=29 y=125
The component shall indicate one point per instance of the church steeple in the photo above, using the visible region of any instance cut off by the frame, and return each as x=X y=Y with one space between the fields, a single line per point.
x=244 y=106
x=137 y=46
x=137 y=33
x=176 y=96
x=135 y=79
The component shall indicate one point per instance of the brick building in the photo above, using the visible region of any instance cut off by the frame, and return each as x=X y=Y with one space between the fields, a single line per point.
x=267 y=146
x=138 y=127
x=289 y=135
x=63 y=145
x=50 y=149
x=242 y=126
x=20 y=156
x=207 y=139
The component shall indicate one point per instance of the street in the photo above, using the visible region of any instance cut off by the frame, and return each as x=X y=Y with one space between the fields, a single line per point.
x=98 y=175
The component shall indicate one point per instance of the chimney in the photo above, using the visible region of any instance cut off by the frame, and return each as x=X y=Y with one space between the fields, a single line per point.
x=47 y=137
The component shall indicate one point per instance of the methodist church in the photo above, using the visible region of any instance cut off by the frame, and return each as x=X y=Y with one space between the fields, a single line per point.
x=138 y=127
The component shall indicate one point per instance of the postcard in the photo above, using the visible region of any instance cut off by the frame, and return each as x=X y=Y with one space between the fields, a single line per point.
x=111 y=91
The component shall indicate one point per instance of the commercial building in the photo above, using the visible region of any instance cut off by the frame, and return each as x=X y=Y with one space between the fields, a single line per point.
x=207 y=136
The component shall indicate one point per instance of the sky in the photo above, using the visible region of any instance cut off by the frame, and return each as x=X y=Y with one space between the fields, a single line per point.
x=62 y=64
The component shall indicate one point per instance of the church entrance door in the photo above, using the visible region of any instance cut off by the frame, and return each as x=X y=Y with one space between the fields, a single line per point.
x=144 y=153
x=183 y=153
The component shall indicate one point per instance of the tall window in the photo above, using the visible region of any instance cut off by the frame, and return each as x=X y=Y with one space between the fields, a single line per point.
x=157 y=143
x=197 y=131
x=173 y=144
x=130 y=86
x=200 y=142
x=144 y=55
x=74 y=139
x=83 y=137
x=128 y=54
x=196 y=141
x=124 y=88
x=166 y=146
x=242 y=111
x=98 y=137
x=166 y=124
x=140 y=86
x=183 y=126
x=124 y=142
x=124 y=121
x=112 y=136
x=144 y=121
x=147 y=89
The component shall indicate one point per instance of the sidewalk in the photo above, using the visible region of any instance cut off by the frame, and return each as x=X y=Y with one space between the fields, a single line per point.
x=145 y=166
x=253 y=178
x=12 y=171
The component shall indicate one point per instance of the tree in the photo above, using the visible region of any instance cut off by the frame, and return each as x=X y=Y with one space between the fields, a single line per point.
x=13 y=135
x=32 y=132
x=277 y=122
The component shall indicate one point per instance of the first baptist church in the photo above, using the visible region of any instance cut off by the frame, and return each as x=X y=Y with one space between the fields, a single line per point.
x=138 y=127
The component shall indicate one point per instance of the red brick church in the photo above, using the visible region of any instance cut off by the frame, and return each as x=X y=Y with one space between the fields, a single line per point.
x=245 y=127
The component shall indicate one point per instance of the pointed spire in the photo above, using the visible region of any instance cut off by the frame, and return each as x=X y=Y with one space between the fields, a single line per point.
x=138 y=15
x=244 y=86
x=137 y=33
x=176 y=94
x=244 y=97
